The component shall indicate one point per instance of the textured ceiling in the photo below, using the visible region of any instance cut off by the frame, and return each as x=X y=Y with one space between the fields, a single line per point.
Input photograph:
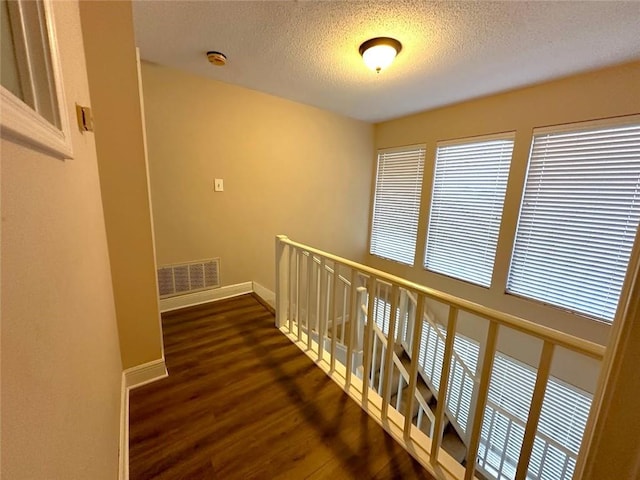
x=307 y=51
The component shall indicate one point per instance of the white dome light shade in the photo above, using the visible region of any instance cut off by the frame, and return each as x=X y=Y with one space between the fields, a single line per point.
x=378 y=53
x=379 y=57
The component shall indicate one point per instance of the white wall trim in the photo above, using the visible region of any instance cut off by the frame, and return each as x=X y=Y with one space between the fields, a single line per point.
x=264 y=293
x=131 y=378
x=123 y=453
x=205 y=296
x=145 y=373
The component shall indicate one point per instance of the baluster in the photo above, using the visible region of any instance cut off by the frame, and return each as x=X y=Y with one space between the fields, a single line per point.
x=381 y=370
x=408 y=336
x=565 y=465
x=399 y=394
x=362 y=317
x=436 y=438
x=327 y=301
x=334 y=312
x=282 y=268
x=503 y=455
x=462 y=383
x=543 y=459
x=481 y=400
x=353 y=314
x=544 y=368
x=368 y=332
x=386 y=388
x=372 y=375
x=318 y=299
x=376 y=317
x=298 y=282
x=310 y=276
x=490 y=430
x=344 y=314
x=322 y=305
x=436 y=343
x=402 y=316
x=413 y=372
x=292 y=253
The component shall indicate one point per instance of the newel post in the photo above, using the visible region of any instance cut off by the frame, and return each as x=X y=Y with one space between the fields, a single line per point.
x=282 y=280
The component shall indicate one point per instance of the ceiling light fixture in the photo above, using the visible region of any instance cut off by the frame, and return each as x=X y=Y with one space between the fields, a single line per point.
x=378 y=53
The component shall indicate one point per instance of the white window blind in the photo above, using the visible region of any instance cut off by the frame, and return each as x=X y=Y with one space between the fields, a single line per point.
x=397 y=204
x=466 y=209
x=578 y=219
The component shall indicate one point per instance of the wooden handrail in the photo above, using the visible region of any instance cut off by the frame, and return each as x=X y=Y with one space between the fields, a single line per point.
x=547 y=334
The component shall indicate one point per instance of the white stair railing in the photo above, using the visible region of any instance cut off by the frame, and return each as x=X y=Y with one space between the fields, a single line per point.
x=315 y=290
x=468 y=375
x=379 y=351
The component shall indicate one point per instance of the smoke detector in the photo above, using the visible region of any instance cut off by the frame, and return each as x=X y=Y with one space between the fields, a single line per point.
x=216 y=58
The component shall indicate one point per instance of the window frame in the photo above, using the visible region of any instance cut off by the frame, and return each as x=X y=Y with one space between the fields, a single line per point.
x=20 y=122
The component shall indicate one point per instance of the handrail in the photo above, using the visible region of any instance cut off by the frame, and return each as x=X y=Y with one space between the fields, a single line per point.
x=561 y=339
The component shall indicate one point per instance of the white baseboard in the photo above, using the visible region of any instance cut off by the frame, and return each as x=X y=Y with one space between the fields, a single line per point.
x=131 y=378
x=265 y=294
x=145 y=373
x=205 y=296
x=123 y=453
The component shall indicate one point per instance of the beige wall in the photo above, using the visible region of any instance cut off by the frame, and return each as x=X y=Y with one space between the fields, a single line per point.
x=61 y=368
x=606 y=93
x=112 y=69
x=287 y=169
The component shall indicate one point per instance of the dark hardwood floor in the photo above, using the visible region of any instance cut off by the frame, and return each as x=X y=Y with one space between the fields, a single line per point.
x=241 y=401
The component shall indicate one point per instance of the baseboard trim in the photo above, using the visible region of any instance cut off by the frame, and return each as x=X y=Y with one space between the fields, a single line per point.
x=266 y=295
x=123 y=453
x=145 y=373
x=132 y=378
x=205 y=296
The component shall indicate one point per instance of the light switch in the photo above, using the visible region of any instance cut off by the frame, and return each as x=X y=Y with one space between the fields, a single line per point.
x=218 y=185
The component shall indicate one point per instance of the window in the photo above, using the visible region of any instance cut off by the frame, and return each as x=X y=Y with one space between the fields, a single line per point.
x=466 y=209
x=396 y=207
x=578 y=218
